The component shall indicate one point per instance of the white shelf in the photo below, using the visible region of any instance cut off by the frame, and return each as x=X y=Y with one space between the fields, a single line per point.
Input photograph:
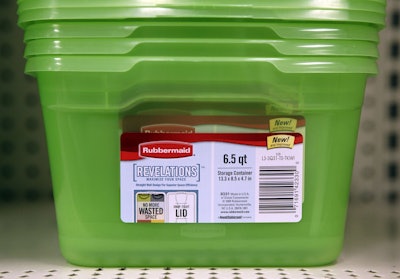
x=29 y=249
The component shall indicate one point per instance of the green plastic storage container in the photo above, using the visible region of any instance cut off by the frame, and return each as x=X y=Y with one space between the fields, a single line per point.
x=92 y=109
x=186 y=133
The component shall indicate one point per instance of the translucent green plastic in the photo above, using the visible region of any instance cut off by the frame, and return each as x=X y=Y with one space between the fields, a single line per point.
x=361 y=5
x=202 y=30
x=317 y=64
x=98 y=62
x=201 y=47
x=209 y=12
x=84 y=100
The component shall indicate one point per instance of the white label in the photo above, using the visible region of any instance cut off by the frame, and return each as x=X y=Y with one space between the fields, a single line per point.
x=211 y=178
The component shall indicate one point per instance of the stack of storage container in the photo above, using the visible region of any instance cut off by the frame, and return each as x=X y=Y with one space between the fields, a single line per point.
x=107 y=68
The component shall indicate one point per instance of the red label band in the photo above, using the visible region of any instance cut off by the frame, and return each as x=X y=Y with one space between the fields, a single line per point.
x=135 y=146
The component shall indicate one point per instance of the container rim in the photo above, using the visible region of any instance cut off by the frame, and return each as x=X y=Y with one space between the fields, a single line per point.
x=254 y=48
x=119 y=64
x=122 y=29
x=205 y=13
x=360 y=5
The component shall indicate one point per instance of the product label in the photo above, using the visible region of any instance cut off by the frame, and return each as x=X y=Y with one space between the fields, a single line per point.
x=186 y=176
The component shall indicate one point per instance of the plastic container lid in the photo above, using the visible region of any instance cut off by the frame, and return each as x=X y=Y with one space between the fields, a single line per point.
x=209 y=12
x=248 y=30
x=201 y=47
x=108 y=64
x=359 y=5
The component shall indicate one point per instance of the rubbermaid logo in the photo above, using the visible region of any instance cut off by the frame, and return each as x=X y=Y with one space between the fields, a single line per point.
x=166 y=149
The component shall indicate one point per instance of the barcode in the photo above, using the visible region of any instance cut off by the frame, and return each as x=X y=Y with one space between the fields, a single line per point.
x=277 y=189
